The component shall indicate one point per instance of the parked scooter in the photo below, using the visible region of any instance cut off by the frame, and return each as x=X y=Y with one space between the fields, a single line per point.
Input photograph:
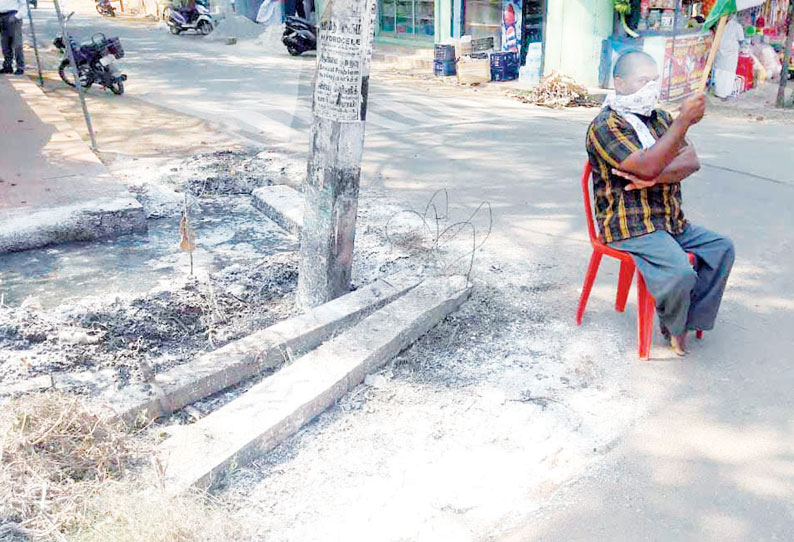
x=104 y=8
x=181 y=20
x=299 y=35
x=95 y=62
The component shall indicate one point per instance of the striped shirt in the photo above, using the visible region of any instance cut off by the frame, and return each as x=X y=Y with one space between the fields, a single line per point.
x=620 y=214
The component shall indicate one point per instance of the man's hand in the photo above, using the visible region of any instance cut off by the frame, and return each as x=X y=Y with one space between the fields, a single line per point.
x=693 y=108
x=636 y=182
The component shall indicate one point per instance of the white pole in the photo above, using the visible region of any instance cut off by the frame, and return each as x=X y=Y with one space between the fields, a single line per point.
x=76 y=73
x=341 y=86
x=35 y=46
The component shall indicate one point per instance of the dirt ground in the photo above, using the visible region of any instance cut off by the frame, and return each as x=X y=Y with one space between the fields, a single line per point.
x=500 y=404
x=246 y=267
x=136 y=335
x=757 y=104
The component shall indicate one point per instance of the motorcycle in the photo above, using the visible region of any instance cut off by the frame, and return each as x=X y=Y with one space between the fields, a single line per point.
x=299 y=35
x=182 y=20
x=95 y=62
x=104 y=8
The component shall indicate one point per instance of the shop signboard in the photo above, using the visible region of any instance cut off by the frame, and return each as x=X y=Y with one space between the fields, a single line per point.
x=684 y=60
x=512 y=24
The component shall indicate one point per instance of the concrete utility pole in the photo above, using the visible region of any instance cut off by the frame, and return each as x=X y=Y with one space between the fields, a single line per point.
x=346 y=31
x=781 y=90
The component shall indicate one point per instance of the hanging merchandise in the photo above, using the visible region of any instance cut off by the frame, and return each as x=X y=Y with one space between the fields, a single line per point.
x=511 y=25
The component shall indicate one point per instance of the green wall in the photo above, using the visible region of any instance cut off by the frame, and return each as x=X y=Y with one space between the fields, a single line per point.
x=574 y=31
x=443 y=13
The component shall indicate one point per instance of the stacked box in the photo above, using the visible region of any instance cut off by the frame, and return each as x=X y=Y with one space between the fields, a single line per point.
x=442 y=68
x=444 y=63
x=504 y=66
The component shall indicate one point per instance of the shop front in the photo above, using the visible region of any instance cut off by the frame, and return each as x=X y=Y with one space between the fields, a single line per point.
x=549 y=35
x=672 y=32
x=514 y=25
x=407 y=19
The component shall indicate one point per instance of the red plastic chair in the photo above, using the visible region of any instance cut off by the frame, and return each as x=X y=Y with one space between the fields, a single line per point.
x=646 y=306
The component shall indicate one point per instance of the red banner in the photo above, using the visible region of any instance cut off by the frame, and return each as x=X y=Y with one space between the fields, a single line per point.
x=682 y=75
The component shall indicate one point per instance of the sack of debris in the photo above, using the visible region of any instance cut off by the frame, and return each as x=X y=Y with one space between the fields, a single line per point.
x=558 y=90
x=473 y=71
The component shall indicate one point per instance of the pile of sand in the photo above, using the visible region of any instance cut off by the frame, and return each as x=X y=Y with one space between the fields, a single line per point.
x=236 y=26
x=270 y=38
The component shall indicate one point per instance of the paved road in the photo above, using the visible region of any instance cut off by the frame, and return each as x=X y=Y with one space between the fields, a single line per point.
x=715 y=459
x=258 y=89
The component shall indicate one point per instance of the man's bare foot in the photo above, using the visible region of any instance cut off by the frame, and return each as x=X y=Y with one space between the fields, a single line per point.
x=678 y=344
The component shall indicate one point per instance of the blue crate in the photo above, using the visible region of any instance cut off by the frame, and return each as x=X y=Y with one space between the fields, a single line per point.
x=445 y=52
x=504 y=60
x=505 y=73
x=444 y=67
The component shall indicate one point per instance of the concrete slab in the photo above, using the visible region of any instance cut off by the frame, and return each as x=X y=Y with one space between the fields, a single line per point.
x=267 y=349
x=278 y=406
x=53 y=189
x=281 y=204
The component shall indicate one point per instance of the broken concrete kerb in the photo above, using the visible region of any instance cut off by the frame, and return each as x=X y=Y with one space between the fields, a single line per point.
x=267 y=349
x=53 y=189
x=281 y=204
x=278 y=406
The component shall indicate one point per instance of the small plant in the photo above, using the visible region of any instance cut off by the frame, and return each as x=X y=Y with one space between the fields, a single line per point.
x=623 y=7
x=187 y=234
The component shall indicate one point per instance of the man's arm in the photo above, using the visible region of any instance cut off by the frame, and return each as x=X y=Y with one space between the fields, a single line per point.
x=683 y=165
x=649 y=164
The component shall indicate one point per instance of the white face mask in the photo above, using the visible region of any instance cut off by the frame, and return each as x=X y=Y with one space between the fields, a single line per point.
x=641 y=102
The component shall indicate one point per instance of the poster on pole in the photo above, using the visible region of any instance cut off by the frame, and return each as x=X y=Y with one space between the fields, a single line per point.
x=344 y=50
x=512 y=24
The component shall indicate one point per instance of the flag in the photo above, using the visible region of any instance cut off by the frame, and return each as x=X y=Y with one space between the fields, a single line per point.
x=726 y=7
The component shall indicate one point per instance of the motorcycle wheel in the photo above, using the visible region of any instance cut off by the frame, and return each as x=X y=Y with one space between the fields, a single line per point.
x=117 y=87
x=294 y=51
x=65 y=71
x=204 y=28
x=99 y=9
x=174 y=30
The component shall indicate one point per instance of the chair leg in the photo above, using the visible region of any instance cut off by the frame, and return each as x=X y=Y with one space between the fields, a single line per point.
x=624 y=284
x=589 y=279
x=645 y=315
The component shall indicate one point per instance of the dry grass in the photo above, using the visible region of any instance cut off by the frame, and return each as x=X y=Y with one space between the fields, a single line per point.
x=141 y=512
x=56 y=453
x=68 y=471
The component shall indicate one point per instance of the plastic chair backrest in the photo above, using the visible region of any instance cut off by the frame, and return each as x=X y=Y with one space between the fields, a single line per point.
x=588 y=204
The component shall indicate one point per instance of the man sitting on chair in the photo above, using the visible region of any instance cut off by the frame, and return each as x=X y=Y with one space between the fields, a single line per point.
x=639 y=157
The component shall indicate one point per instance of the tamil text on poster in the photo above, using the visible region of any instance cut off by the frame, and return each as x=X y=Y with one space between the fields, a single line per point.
x=343 y=55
